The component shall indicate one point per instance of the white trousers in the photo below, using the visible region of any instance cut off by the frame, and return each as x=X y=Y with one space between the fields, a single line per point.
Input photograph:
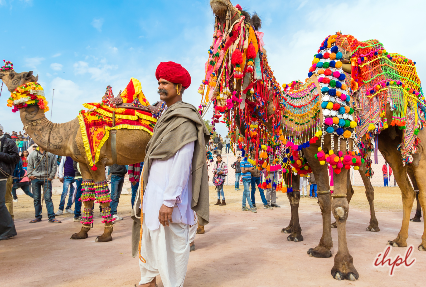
x=193 y=229
x=166 y=252
x=303 y=186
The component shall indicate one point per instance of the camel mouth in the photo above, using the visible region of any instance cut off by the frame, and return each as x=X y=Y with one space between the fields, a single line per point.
x=220 y=7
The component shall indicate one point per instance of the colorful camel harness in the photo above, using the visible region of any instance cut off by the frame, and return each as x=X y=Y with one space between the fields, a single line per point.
x=330 y=102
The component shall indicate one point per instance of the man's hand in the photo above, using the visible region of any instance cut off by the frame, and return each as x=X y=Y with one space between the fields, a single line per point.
x=61 y=180
x=50 y=179
x=134 y=183
x=32 y=177
x=165 y=215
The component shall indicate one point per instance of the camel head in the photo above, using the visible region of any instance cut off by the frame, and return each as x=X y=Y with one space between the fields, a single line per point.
x=220 y=9
x=13 y=79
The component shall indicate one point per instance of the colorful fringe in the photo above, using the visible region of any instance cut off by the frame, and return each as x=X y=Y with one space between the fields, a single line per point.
x=88 y=190
x=106 y=215
x=87 y=217
x=102 y=192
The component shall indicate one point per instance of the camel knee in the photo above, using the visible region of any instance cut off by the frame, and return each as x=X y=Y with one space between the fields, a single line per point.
x=340 y=210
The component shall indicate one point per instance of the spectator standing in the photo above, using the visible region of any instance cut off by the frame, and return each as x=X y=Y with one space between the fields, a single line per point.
x=219 y=147
x=303 y=185
x=20 y=180
x=20 y=144
x=255 y=181
x=385 y=174
x=78 y=181
x=220 y=171
x=66 y=175
x=227 y=144
x=271 y=193
x=117 y=180
x=9 y=157
x=24 y=159
x=236 y=166
x=313 y=186
x=14 y=136
x=246 y=168
x=134 y=177
x=25 y=139
x=42 y=168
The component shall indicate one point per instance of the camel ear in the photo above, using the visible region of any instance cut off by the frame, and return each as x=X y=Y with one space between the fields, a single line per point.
x=29 y=74
x=36 y=78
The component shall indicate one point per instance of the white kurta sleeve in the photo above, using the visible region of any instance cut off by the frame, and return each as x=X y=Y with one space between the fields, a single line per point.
x=179 y=176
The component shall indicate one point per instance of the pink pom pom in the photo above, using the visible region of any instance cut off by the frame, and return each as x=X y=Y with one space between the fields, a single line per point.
x=328 y=121
x=343 y=97
x=339 y=165
x=336 y=74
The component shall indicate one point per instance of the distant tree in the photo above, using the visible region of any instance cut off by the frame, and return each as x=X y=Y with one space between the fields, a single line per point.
x=210 y=128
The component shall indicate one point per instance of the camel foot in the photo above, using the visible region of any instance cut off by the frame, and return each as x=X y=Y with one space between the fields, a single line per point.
x=397 y=243
x=106 y=236
x=82 y=234
x=344 y=269
x=287 y=229
x=320 y=252
x=422 y=248
x=415 y=219
x=372 y=228
x=295 y=237
x=334 y=225
x=200 y=230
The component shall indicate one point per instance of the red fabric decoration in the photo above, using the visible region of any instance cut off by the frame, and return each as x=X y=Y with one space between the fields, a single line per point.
x=130 y=91
x=94 y=168
x=251 y=51
x=238 y=7
x=173 y=73
x=237 y=57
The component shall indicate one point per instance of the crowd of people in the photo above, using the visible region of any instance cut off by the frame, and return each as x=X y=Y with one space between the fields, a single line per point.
x=35 y=169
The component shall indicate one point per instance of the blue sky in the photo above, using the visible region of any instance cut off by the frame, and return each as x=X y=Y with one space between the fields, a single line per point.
x=80 y=47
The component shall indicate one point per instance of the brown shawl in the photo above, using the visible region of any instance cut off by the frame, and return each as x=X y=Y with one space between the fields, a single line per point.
x=180 y=124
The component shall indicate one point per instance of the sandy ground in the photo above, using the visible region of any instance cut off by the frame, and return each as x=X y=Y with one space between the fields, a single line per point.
x=238 y=248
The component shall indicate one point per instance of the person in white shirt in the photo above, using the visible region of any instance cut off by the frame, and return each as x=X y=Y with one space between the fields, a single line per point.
x=175 y=183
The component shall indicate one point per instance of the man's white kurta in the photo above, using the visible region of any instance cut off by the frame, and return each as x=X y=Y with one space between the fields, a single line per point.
x=166 y=249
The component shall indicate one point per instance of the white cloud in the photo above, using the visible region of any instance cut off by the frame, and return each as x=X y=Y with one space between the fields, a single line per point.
x=56 y=55
x=97 y=24
x=56 y=66
x=302 y=4
x=49 y=75
x=100 y=73
x=33 y=62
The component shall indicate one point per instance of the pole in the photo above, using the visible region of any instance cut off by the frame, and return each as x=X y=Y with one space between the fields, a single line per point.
x=51 y=110
x=227 y=166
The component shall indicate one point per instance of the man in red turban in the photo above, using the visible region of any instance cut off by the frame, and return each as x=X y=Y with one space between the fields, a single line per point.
x=175 y=183
x=173 y=80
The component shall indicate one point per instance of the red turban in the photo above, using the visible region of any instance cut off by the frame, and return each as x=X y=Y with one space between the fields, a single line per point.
x=173 y=73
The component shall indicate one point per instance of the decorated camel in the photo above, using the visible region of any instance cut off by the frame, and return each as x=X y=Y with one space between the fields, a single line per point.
x=246 y=103
x=114 y=131
x=245 y=91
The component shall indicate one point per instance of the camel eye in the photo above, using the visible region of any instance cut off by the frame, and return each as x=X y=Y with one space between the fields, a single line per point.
x=12 y=75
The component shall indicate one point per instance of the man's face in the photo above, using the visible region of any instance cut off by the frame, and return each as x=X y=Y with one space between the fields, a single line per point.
x=1 y=132
x=167 y=91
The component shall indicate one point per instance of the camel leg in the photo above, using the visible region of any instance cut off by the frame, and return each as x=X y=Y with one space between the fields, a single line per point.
x=103 y=196
x=343 y=262
x=418 y=214
x=369 y=192
x=350 y=192
x=323 y=249
x=289 y=228
x=296 y=232
x=88 y=198
x=388 y=148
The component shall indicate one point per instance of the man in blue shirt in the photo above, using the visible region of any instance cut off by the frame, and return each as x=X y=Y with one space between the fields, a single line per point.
x=246 y=167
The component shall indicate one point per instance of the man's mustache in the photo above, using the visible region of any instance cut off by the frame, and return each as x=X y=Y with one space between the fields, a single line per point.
x=162 y=91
